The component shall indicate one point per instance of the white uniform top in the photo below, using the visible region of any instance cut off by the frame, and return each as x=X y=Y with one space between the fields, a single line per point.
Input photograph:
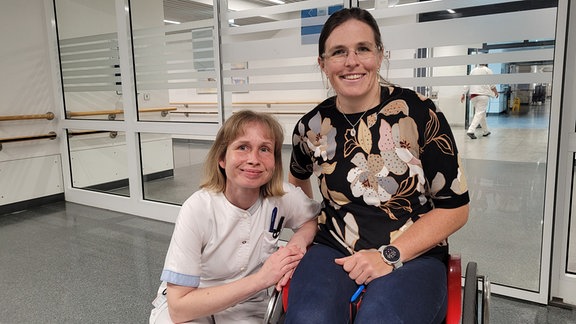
x=481 y=89
x=215 y=242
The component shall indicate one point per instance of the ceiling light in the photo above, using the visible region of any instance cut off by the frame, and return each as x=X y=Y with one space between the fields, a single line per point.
x=451 y=11
x=277 y=1
x=171 y=22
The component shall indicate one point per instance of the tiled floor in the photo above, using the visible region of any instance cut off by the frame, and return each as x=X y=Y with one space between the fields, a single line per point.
x=68 y=263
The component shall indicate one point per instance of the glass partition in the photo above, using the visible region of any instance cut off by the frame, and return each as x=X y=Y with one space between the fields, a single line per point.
x=89 y=59
x=269 y=56
x=98 y=161
x=506 y=170
x=172 y=166
x=174 y=59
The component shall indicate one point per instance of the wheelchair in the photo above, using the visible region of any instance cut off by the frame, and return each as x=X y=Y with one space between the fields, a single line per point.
x=466 y=305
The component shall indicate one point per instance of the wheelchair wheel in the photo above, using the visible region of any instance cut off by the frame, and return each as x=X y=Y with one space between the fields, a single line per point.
x=485 y=300
x=275 y=311
x=470 y=299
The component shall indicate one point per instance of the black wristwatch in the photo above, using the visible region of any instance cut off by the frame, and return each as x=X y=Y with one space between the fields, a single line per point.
x=391 y=255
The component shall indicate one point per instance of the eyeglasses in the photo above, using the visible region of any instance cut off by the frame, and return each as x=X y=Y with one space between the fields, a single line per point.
x=363 y=53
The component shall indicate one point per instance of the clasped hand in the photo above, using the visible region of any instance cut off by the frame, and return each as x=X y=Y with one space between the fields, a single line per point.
x=364 y=266
x=279 y=267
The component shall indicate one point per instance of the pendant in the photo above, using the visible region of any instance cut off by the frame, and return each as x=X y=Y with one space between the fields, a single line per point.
x=353 y=132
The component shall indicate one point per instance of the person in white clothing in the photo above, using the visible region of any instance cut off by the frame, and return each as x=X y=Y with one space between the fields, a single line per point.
x=479 y=98
x=223 y=255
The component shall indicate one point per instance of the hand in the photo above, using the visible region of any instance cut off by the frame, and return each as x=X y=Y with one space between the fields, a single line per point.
x=279 y=264
x=293 y=244
x=495 y=91
x=284 y=280
x=364 y=266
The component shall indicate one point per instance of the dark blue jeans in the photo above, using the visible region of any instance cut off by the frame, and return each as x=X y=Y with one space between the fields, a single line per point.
x=320 y=292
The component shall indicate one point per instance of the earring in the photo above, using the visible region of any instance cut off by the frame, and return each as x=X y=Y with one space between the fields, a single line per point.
x=325 y=81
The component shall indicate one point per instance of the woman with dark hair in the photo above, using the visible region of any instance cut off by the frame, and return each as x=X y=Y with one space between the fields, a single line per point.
x=392 y=186
x=223 y=255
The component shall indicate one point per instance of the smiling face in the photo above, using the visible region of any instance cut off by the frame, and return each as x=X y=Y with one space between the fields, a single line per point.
x=249 y=163
x=354 y=78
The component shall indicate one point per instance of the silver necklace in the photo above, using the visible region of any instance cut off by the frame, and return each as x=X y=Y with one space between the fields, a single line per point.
x=353 y=130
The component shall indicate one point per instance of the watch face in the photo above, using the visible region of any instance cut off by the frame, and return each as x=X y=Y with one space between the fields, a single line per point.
x=391 y=253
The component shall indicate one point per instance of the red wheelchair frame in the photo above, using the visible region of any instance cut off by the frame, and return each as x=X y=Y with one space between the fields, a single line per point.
x=468 y=308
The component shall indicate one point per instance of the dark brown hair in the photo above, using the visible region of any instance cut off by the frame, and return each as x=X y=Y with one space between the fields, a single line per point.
x=343 y=15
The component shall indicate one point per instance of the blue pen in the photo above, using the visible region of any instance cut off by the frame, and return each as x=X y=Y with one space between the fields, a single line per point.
x=273 y=220
x=278 y=229
x=357 y=293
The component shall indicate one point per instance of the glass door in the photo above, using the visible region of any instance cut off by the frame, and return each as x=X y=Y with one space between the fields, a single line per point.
x=563 y=285
x=123 y=66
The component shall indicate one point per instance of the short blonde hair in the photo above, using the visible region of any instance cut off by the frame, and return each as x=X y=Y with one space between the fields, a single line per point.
x=214 y=178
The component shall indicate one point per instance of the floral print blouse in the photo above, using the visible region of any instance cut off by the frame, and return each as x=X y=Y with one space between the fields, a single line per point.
x=400 y=162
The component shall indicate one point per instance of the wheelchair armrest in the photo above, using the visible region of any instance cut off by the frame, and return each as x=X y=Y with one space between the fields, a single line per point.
x=454 y=311
x=285 y=290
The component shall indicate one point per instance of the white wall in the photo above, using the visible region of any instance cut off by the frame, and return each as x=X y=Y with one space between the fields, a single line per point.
x=27 y=169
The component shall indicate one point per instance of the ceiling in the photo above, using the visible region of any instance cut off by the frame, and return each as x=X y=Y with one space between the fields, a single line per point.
x=189 y=10
x=194 y=10
x=185 y=10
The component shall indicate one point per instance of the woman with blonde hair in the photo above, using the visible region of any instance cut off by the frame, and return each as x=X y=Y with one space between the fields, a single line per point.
x=223 y=255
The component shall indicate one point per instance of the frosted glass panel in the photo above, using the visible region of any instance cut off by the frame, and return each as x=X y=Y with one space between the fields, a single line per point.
x=89 y=59
x=174 y=58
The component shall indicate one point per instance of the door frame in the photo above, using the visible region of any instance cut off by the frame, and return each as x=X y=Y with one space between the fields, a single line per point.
x=563 y=284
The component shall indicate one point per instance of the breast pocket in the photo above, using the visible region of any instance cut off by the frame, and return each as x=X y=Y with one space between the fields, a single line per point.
x=269 y=245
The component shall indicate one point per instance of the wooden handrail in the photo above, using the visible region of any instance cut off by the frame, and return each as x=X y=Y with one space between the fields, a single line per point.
x=51 y=135
x=245 y=103
x=160 y=109
x=94 y=113
x=195 y=112
x=269 y=103
x=209 y=112
x=185 y=103
x=113 y=134
x=48 y=116
x=163 y=110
